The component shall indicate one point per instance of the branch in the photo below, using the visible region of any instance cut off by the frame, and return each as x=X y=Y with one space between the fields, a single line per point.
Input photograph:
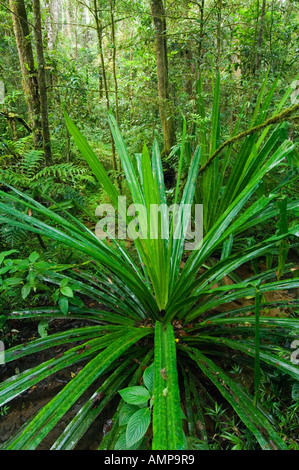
x=274 y=120
x=70 y=24
x=78 y=89
x=15 y=14
x=9 y=149
x=16 y=117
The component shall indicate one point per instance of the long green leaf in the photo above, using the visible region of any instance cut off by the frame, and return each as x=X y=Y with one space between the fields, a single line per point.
x=17 y=384
x=266 y=436
x=64 y=337
x=47 y=418
x=167 y=421
x=92 y=160
x=93 y=407
x=266 y=356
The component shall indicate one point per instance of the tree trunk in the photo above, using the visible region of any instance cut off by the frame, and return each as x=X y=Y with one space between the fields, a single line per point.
x=165 y=106
x=253 y=57
x=42 y=82
x=52 y=23
x=218 y=39
x=29 y=74
x=69 y=19
x=189 y=71
x=111 y=6
x=76 y=33
x=100 y=44
x=201 y=31
x=131 y=79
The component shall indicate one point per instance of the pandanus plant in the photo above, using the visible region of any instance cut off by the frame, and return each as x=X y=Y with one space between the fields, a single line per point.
x=178 y=312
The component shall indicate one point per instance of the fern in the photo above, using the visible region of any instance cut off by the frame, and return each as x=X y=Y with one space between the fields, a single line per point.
x=61 y=192
x=63 y=171
x=17 y=146
x=31 y=162
x=86 y=179
x=13 y=236
x=13 y=178
x=60 y=182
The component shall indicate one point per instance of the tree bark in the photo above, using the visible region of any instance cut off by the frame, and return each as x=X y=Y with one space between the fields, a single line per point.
x=218 y=39
x=42 y=82
x=100 y=45
x=69 y=19
x=165 y=107
x=29 y=74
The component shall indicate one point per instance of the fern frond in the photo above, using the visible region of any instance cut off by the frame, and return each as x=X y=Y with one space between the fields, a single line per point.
x=87 y=179
x=13 y=236
x=19 y=146
x=59 y=191
x=63 y=171
x=13 y=178
x=31 y=162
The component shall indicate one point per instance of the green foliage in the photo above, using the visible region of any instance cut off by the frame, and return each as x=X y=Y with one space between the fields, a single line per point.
x=20 y=277
x=220 y=353
x=135 y=415
x=31 y=163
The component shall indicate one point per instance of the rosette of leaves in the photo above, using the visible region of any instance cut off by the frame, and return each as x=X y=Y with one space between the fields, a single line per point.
x=159 y=299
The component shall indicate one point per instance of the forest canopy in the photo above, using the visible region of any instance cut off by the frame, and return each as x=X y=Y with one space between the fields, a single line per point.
x=139 y=59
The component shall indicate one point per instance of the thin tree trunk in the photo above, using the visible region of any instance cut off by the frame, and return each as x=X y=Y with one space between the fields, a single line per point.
x=52 y=23
x=201 y=31
x=87 y=30
x=42 y=82
x=253 y=57
x=165 y=108
x=13 y=127
x=111 y=6
x=270 y=33
x=218 y=39
x=29 y=74
x=69 y=19
x=100 y=44
x=76 y=32
x=260 y=38
x=100 y=82
x=131 y=79
x=189 y=71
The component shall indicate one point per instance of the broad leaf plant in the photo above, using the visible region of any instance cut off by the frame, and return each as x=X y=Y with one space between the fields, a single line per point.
x=179 y=312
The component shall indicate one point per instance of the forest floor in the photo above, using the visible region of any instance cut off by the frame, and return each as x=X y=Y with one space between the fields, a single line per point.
x=27 y=405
